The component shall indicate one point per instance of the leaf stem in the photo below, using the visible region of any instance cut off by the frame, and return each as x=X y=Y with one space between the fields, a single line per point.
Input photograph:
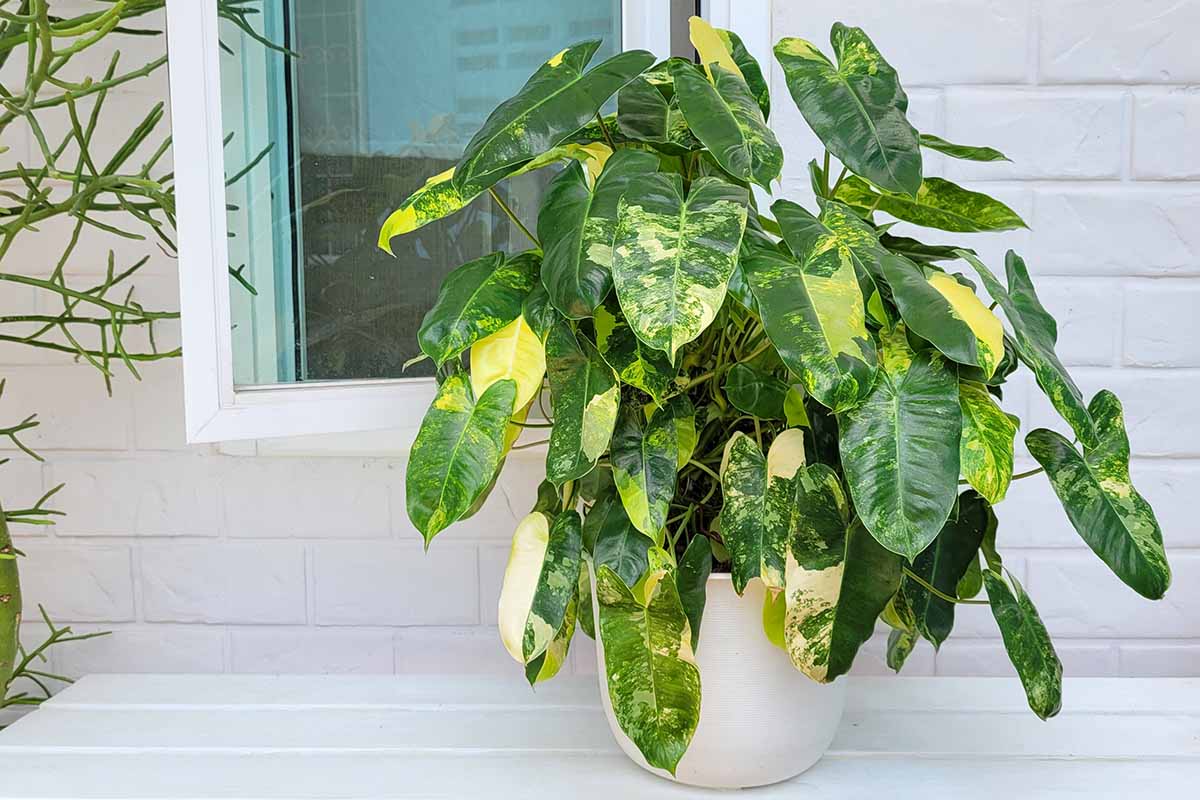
x=917 y=579
x=604 y=130
x=504 y=206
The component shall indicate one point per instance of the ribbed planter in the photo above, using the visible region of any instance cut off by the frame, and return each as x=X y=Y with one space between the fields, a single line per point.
x=761 y=721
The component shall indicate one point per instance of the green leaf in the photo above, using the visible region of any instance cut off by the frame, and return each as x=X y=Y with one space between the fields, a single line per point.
x=1096 y=491
x=962 y=151
x=938 y=204
x=757 y=516
x=540 y=581
x=900 y=448
x=971 y=583
x=838 y=579
x=547 y=665
x=653 y=681
x=10 y=606
x=725 y=116
x=856 y=108
x=1036 y=335
x=585 y=396
x=948 y=314
x=681 y=410
x=794 y=412
x=576 y=226
x=920 y=252
x=750 y=69
x=558 y=100
x=614 y=542
x=813 y=311
x=692 y=581
x=644 y=462
x=900 y=645
x=985 y=450
x=774 y=617
x=755 y=392
x=583 y=598
x=943 y=564
x=476 y=300
x=647 y=111
x=539 y=313
x=1028 y=644
x=457 y=451
x=635 y=363
x=673 y=256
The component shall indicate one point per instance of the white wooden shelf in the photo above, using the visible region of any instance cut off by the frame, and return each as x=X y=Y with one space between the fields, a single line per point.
x=319 y=737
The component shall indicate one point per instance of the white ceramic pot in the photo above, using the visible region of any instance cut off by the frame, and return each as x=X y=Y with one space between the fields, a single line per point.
x=761 y=721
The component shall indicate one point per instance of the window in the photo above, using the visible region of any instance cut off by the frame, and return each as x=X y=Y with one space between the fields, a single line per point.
x=294 y=139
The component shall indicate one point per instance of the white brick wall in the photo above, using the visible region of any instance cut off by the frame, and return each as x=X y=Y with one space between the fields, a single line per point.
x=200 y=561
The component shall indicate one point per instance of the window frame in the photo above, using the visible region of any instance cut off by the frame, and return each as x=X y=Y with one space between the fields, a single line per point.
x=217 y=410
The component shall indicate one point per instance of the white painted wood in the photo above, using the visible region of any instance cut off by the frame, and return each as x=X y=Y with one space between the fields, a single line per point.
x=422 y=737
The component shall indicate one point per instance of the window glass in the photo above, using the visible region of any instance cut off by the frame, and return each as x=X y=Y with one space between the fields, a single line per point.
x=324 y=140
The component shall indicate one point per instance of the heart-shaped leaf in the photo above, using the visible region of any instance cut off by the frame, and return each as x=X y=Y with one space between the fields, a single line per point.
x=856 y=108
x=1096 y=491
x=614 y=542
x=985 y=450
x=746 y=65
x=644 y=462
x=937 y=204
x=635 y=363
x=900 y=448
x=755 y=392
x=585 y=396
x=513 y=353
x=673 y=255
x=539 y=582
x=1027 y=642
x=456 y=453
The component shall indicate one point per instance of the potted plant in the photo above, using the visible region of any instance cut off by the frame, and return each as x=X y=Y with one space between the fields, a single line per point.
x=769 y=428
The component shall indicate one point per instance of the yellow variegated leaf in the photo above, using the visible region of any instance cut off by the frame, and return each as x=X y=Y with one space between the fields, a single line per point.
x=986 y=446
x=773 y=615
x=525 y=561
x=539 y=583
x=966 y=305
x=711 y=47
x=514 y=352
x=547 y=665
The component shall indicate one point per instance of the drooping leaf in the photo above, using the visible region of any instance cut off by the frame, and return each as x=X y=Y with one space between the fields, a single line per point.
x=10 y=605
x=653 y=681
x=986 y=447
x=576 y=226
x=644 y=461
x=558 y=100
x=681 y=410
x=899 y=449
x=900 y=645
x=948 y=314
x=635 y=363
x=476 y=300
x=757 y=516
x=1096 y=491
x=856 y=108
x=755 y=392
x=725 y=116
x=942 y=565
x=614 y=542
x=962 y=151
x=540 y=581
x=512 y=353
x=673 y=256
x=1036 y=335
x=547 y=665
x=585 y=396
x=938 y=204
x=774 y=617
x=691 y=578
x=971 y=583
x=583 y=597
x=838 y=579
x=456 y=453
x=1027 y=642
x=812 y=310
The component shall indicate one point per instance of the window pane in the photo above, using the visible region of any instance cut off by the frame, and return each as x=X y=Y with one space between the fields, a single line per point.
x=377 y=96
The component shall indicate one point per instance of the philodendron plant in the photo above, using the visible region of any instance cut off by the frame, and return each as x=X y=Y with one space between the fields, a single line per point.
x=802 y=396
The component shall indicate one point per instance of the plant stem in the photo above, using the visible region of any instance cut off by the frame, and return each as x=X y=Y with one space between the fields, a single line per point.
x=1028 y=473
x=915 y=578
x=604 y=130
x=504 y=206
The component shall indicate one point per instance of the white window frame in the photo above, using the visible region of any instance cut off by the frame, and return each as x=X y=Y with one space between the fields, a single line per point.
x=216 y=409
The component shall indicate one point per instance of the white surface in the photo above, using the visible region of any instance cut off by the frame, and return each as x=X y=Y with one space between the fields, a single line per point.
x=1117 y=260
x=141 y=737
x=761 y=721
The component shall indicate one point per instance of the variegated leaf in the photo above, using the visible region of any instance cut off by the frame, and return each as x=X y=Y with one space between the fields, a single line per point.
x=757 y=515
x=749 y=68
x=947 y=313
x=1036 y=335
x=838 y=579
x=644 y=462
x=585 y=396
x=476 y=300
x=583 y=597
x=673 y=255
x=648 y=111
x=456 y=453
x=900 y=645
x=539 y=582
x=1027 y=642
x=1098 y=495
x=653 y=680
x=899 y=449
x=635 y=363
x=938 y=204
x=985 y=450
x=682 y=411
x=856 y=108
x=558 y=100
x=614 y=542
x=962 y=151
x=547 y=665
x=813 y=311
x=691 y=579
x=513 y=353
x=576 y=226
x=725 y=116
